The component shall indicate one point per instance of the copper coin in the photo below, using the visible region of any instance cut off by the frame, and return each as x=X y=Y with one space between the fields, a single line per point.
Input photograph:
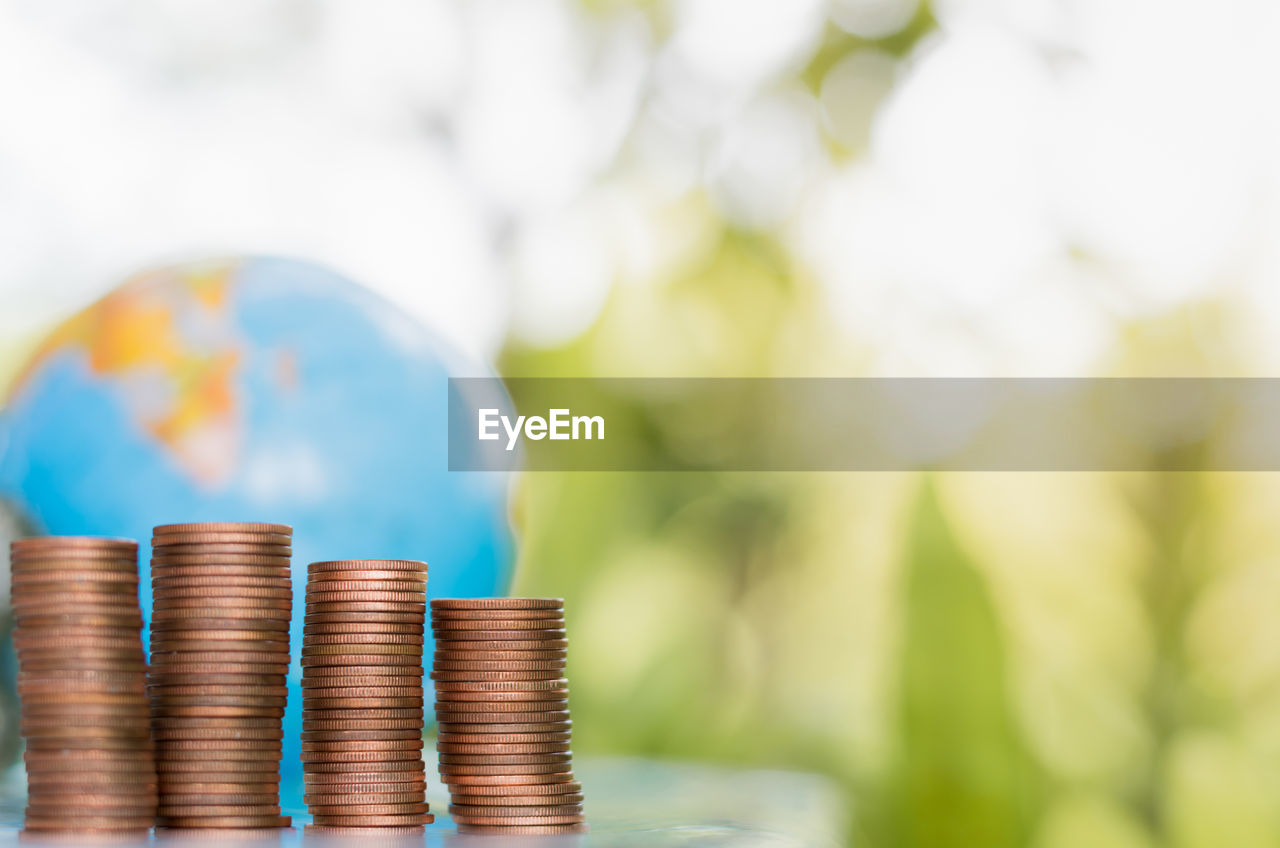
x=500 y=706
x=457 y=700
x=372 y=820
x=445 y=656
x=361 y=660
x=466 y=624
x=394 y=589
x=81 y=824
x=201 y=669
x=364 y=757
x=358 y=703
x=409 y=565
x=99 y=727
x=567 y=808
x=366 y=831
x=346 y=798
x=401 y=809
x=168 y=810
x=99 y=742
x=482 y=676
x=223 y=527
x=442 y=616
x=518 y=820
x=171 y=645
x=319 y=639
x=344 y=672
x=223 y=594
x=266 y=761
x=488 y=729
x=68 y=642
x=131 y=621
x=159 y=678
x=218 y=603
x=82 y=663
x=366 y=782
x=515 y=794
x=532 y=830
x=501 y=685
x=504 y=722
x=496 y=603
x=213 y=764
x=505 y=780
x=352 y=627
x=171 y=745
x=367 y=692
x=212 y=582
x=542 y=637
x=72 y=542
x=369 y=714
x=496 y=749
x=322 y=595
x=211 y=733
x=213 y=625
x=362 y=681
x=170 y=552
x=363 y=745
x=207 y=711
x=201 y=537
x=499 y=759
x=222 y=821
x=501 y=665
x=363 y=617
x=231 y=699
x=217 y=689
x=339 y=735
x=65 y=574
x=397 y=768
x=162 y=660
x=211 y=563
x=166 y=614
x=348 y=607
x=364 y=724
x=451 y=770
x=214 y=801
x=377 y=581
x=500 y=738
x=364 y=649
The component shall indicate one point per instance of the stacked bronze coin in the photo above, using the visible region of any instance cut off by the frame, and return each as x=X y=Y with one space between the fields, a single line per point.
x=82 y=684
x=222 y=600
x=362 y=696
x=503 y=709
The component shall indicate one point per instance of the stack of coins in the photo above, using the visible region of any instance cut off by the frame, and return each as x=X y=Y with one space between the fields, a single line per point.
x=222 y=600
x=362 y=696
x=503 y=708
x=82 y=684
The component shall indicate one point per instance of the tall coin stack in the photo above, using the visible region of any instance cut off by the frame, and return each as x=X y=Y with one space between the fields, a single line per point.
x=82 y=684
x=222 y=601
x=362 y=696
x=503 y=709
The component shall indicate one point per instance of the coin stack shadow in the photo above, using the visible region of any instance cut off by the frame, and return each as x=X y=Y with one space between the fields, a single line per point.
x=362 y=696
x=222 y=600
x=82 y=684
x=503 y=710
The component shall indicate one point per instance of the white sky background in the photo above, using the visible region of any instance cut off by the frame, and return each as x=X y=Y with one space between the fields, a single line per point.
x=496 y=165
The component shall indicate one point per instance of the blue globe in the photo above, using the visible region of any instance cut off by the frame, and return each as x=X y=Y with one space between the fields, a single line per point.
x=255 y=389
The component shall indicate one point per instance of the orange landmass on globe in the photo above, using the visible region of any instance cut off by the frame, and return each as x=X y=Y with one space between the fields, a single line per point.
x=133 y=332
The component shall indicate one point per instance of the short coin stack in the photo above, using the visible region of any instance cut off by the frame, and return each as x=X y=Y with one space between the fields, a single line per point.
x=82 y=682
x=362 y=696
x=503 y=709
x=222 y=601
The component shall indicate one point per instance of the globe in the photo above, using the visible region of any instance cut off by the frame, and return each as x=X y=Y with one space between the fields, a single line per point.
x=254 y=389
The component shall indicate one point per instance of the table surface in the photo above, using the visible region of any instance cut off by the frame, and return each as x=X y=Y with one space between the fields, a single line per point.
x=629 y=802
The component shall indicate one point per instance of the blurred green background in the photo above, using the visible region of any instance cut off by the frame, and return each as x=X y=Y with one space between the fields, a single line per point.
x=867 y=187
